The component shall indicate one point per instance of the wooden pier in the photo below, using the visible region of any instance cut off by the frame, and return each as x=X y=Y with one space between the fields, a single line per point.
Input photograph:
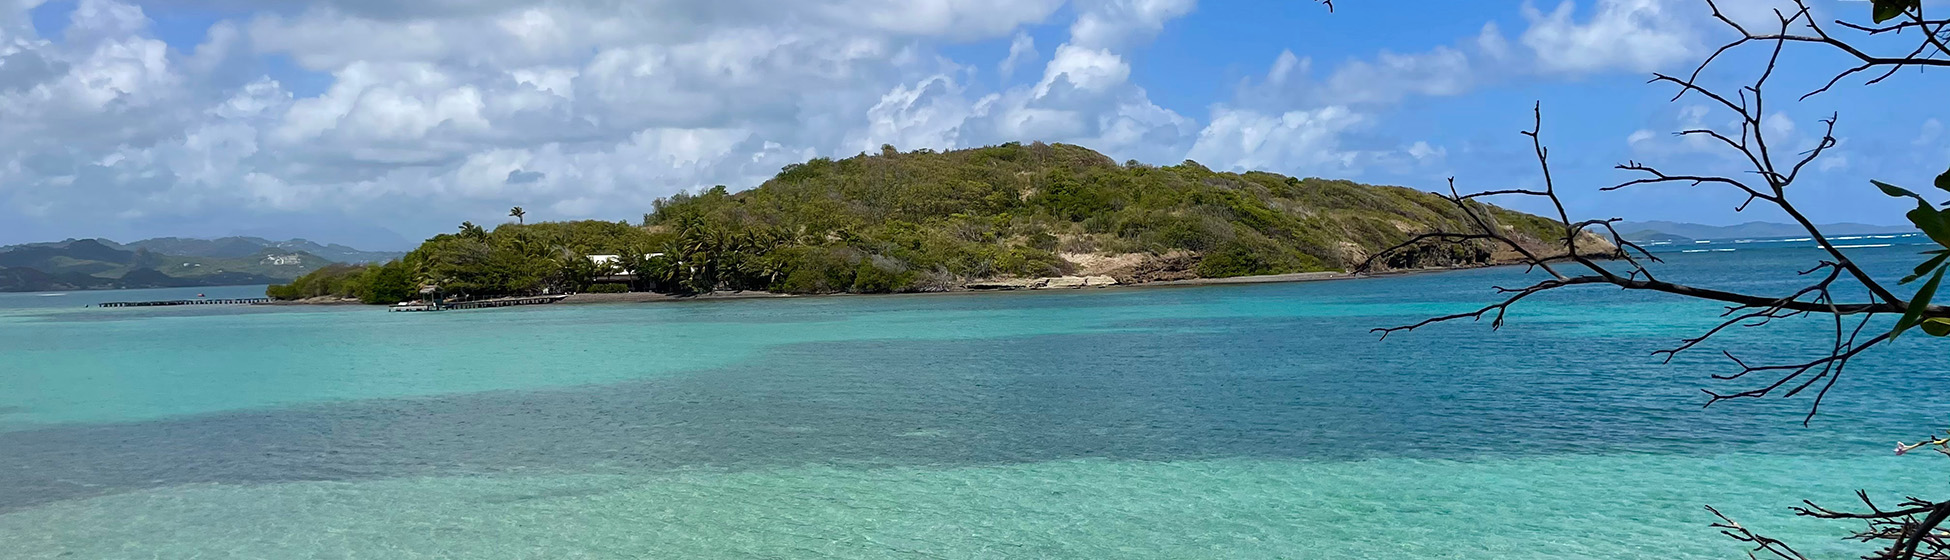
x=503 y=302
x=481 y=304
x=165 y=303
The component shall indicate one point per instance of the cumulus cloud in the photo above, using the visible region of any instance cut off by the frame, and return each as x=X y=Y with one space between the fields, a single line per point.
x=1022 y=49
x=445 y=109
x=1244 y=139
x=1291 y=121
x=1290 y=104
x=457 y=106
x=1085 y=96
x=1639 y=35
x=1118 y=23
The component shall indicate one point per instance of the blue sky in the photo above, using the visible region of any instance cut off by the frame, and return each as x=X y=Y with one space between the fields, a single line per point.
x=376 y=123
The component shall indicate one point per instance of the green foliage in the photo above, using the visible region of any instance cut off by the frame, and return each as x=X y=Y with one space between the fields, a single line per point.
x=878 y=276
x=607 y=288
x=387 y=284
x=336 y=280
x=817 y=270
x=525 y=259
x=1917 y=304
x=1936 y=224
x=887 y=222
x=1234 y=260
x=921 y=220
x=1886 y=10
x=380 y=284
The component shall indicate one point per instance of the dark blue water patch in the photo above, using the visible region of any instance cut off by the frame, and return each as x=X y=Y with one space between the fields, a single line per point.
x=1315 y=389
x=115 y=315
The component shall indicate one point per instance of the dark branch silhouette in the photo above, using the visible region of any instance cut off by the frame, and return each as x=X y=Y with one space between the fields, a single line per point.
x=1913 y=529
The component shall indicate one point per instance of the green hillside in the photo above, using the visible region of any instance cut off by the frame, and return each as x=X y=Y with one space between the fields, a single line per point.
x=923 y=220
x=86 y=264
x=1014 y=210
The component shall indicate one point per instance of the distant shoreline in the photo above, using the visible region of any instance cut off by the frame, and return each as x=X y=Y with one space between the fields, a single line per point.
x=1297 y=277
x=655 y=297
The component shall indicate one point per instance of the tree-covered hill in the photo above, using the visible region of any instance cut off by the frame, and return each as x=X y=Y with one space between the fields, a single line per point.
x=85 y=264
x=239 y=247
x=924 y=220
x=931 y=220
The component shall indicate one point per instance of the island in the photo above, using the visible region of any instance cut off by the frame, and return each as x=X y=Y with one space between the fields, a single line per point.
x=997 y=217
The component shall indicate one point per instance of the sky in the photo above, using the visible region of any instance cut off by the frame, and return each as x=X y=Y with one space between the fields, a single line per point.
x=378 y=122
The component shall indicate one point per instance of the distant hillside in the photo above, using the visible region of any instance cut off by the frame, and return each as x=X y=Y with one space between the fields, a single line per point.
x=86 y=264
x=235 y=247
x=1680 y=231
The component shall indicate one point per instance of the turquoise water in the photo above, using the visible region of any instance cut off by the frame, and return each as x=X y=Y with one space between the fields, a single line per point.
x=1259 y=421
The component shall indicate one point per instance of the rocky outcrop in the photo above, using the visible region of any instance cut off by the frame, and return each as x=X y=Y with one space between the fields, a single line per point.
x=1176 y=265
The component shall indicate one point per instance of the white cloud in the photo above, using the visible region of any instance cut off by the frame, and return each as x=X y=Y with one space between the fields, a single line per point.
x=1777 y=125
x=1639 y=137
x=927 y=114
x=1310 y=140
x=1084 y=96
x=1390 y=77
x=1289 y=105
x=1638 y=35
x=1085 y=69
x=1832 y=162
x=1022 y=49
x=592 y=108
x=576 y=108
x=1290 y=122
x=1422 y=151
x=1119 y=23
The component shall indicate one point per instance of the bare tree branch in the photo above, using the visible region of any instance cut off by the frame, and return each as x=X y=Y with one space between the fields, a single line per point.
x=1913 y=530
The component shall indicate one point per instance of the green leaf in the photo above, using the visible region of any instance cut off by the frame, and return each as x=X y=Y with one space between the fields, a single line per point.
x=1931 y=222
x=1886 y=10
x=1926 y=267
x=1917 y=305
x=1925 y=216
x=1943 y=181
x=1937 y=327
x=1894 y=191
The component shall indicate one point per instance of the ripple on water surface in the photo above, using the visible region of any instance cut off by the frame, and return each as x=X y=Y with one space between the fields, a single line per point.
x=1244 y=421
x=1540 y=507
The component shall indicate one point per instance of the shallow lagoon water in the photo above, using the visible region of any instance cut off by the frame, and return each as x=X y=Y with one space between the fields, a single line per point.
x=1220 y=421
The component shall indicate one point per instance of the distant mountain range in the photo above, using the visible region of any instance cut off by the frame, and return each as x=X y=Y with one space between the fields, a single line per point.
x=91 y=264
x=1679 y=231
x=234 y=247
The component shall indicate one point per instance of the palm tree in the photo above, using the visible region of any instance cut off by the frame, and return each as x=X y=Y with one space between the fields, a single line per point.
x=519 y=214
x=471 y=231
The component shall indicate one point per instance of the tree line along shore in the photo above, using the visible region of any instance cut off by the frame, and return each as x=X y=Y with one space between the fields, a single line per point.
x=923 y=221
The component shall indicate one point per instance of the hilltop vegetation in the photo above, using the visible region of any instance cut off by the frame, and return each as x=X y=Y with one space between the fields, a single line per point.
x=513 y=259
x=923 y=220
